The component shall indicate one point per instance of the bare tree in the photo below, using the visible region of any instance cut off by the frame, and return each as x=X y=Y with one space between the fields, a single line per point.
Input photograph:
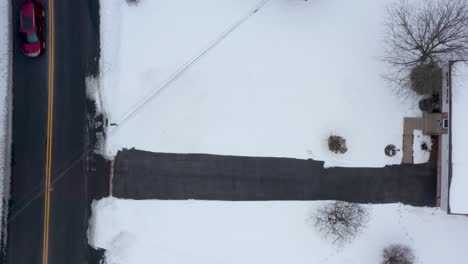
x=397 y=254
x=341 y=222
x=425 y=32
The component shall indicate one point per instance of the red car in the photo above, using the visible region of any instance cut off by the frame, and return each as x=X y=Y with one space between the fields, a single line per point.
x=32 y=28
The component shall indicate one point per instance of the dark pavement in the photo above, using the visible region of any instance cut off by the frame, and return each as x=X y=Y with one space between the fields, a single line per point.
x=145 y=175
x=76 y=56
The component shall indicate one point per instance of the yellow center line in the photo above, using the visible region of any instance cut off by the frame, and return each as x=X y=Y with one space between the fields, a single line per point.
x=50 y=119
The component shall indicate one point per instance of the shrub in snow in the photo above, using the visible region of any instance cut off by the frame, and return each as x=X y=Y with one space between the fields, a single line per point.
x=337 y=144
x=424 y=146
x=397 y=254
x=340 y=222
x=426 y=78
x=427 y=105
x=391 y=150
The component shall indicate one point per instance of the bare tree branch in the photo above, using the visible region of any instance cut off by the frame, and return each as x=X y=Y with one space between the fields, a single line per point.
x=340 y=222
x=430 y=32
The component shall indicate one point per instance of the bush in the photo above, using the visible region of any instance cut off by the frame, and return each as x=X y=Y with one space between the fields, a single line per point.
x=340 y=222
x=337 y=144
x=391 y=150
x=424 y=146
x=397 y=254
x=427 y=105
x=426 y=79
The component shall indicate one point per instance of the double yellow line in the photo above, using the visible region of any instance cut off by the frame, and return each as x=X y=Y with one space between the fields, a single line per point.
x=50 y=119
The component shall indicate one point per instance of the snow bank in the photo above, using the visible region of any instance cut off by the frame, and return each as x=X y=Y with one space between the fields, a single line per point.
x=279 y=85
x=459 y=130
x=96 y=116
x=93 y=92
x=135 y=232
x=5 y=115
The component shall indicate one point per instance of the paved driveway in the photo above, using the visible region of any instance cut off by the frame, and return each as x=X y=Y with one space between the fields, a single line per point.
x=145 y=175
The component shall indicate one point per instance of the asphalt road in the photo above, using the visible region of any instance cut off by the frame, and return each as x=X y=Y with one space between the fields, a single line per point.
x=76 y=51
x=146 y=175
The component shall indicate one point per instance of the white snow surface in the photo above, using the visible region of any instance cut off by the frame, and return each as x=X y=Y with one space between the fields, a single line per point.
x=206 y=232
x=420 y=155
x=459 y=129
x=4 y=78
x=278 y=85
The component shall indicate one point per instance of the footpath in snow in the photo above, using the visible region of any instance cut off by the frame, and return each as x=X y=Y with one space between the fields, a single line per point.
x=202 y=232
x=278 y=84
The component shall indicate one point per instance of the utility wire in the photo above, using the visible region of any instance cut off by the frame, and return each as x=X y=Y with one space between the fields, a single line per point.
x=62 y=172
x=184 y=68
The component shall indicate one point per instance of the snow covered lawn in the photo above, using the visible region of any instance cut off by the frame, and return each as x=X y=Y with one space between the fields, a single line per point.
x=459 y=130
x=277 y=85
x=135 y=232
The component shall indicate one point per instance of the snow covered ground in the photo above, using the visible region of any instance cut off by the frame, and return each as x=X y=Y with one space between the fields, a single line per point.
x=419 y=154
x=179 y=232
x=459 y=130
x=5 y=56
x=277 y=85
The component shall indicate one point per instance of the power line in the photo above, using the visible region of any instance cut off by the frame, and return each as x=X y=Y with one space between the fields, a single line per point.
x=62 y=172
x=184 y=68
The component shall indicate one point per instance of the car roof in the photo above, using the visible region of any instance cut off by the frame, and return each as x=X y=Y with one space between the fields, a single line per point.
x=27 y=20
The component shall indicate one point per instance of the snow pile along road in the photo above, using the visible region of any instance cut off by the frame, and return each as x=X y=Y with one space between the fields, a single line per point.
x=5 y=57
x=202 y=232
x=278 y=85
